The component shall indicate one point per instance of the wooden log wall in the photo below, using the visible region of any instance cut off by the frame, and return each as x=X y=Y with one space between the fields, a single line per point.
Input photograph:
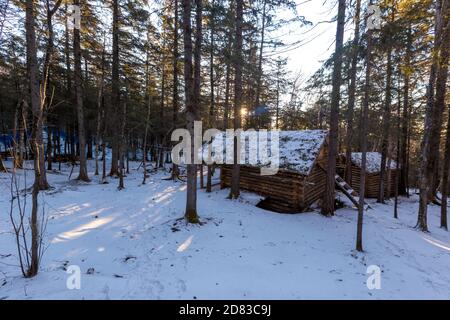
x=373 y=183
x=284 y=190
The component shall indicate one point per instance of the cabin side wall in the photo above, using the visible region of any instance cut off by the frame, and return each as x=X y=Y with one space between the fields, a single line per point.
x=373 y=182
x=372 y=179
x=285 y=189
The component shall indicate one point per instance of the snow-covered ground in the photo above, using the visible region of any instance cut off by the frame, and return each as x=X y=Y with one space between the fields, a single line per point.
x=139 y=248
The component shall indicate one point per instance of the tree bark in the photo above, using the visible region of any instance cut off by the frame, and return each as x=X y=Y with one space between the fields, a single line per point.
x=386 y=125
x=440 y=103
x=364 y=122
x=176 y=58
x=115 y=91
x=352 y=95
x=328 y=199
x=191 y=114
x=432 y=124
x=147 y=121
x=441 y=80
x=100 y=109
x=83 y=174
x=403 y=183
x=2 y=165
x=122 y=145
x=445 y=176
x=260 y=59
x=226 y=107
x=235 y=175
x=36 y=137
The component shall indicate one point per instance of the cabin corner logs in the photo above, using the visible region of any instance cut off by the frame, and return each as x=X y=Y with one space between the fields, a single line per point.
x=293 y=191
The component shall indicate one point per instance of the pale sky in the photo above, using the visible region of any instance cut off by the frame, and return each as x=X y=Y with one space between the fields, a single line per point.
x=317 y=41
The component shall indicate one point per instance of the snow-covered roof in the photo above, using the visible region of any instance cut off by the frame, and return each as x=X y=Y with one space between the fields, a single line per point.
x=373 y=161
x=298 y=150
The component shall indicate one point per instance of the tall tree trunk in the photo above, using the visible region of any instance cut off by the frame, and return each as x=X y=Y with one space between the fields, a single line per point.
x=212 y=120
x=403 y=183
x=386 y=125
x=83 y=174
x=364 y=122
x=115 y=90
x=432 y=123
x=197 y=68
x=441 y=80
x=49 y=148
x=17 y=130
x=176 y=57
x=36 y=137
x=328 y=199
x=260 y=59
x=148 y=105
x=440 y=103
x=122 y=144
x=100 y=109
x=226 y=107
x=397 y=163
x=235 y=175
x=277 y=114
x=352 y=95
x=445 y=176
x=191 y=114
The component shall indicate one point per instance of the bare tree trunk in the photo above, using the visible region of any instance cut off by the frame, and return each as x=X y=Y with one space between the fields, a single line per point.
x=364 y=121
x=17 y=153
x=147 y=121
x=36 y=138
x=386 y=124
x=191 y=114
x=235 y=175
x=49 y=148
x=260 y=59
x=226 y=107
x=100 y=109
x=2 y=165
x=440 y=102
x=277 y=115
x=46 y=74
x=351 y=95
x=99 y=126
x=115 y=92
x=397 y=163
x=202 y=178
x=83 y=174
x=432 y=120
x=445 y=176
x=212 y=120
x=328 y=199
x=122 y=145
x=176 y=58
x=403 y=184
x=104 y=148
x=441 y=80
x=23 y=114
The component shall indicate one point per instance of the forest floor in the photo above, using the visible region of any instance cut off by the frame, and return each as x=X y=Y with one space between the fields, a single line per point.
x=132 y=244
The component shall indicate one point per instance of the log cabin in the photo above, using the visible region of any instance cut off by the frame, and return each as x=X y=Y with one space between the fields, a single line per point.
x=373 y=168
x=301 y=177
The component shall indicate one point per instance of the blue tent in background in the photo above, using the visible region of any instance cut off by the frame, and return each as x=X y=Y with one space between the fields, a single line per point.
x=261 y=110
x=6 y=141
